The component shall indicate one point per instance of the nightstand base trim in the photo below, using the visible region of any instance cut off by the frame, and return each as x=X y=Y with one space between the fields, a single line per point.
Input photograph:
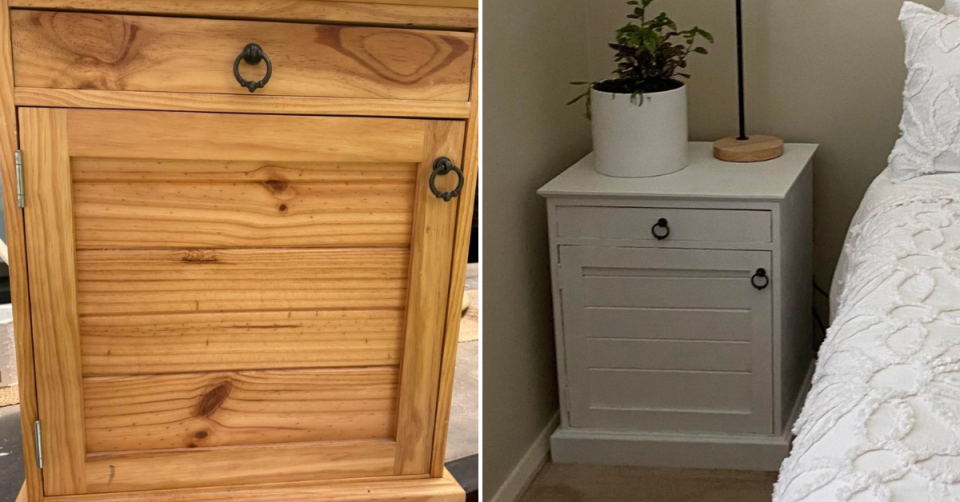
x=753 y=452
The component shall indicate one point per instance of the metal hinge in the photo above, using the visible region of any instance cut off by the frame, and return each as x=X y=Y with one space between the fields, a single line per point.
x=21 y=196
x=38 y=441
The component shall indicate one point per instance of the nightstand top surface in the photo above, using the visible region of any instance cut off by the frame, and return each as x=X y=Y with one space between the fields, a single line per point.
x=705 y=177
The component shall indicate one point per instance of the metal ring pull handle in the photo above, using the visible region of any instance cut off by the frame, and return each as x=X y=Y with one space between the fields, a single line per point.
x=660 y=234
x=760 y=280
x=443 y=166
x=252 y=54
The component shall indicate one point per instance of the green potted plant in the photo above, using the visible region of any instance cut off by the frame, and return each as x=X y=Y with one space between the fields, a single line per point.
x=639 y=117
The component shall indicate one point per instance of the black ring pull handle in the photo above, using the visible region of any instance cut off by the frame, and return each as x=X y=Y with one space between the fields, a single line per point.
x=760 y=279
x=252 y=54
x=660 y=234
x=441 y=167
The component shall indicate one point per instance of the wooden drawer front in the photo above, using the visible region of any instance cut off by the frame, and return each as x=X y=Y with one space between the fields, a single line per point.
x=666 y=339
x=227 y=299
x=635 y=223
x=65 y=50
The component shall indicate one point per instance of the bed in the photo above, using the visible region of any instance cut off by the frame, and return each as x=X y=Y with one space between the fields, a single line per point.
x=882 y=419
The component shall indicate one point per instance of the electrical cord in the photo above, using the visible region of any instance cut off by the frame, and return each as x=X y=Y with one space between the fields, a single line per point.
x=816 y=316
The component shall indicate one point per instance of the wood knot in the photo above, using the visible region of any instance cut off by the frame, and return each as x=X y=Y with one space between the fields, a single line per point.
x=279 y=189
x=201 y=434
x=282 y=208
x=275 y=186
x=214 y=399
x=199 y=255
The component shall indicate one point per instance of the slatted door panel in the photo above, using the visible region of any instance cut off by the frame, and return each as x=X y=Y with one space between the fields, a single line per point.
x=225 y=299
x=667 y=340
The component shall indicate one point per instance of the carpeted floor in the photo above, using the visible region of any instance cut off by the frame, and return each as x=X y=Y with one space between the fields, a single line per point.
x=589 y=483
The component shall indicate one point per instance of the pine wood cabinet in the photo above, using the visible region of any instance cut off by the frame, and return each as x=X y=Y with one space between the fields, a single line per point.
x=224 y=293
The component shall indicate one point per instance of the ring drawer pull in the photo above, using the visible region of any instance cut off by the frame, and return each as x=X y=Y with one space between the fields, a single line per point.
x=252 y=54
x=660 y=234
x=760 y=280
x=443 y=166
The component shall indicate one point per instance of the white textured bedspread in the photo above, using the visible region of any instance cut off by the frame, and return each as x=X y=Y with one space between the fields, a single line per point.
x=882 y=420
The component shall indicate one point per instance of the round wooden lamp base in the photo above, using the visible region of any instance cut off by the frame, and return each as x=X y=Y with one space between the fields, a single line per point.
x=756 y=148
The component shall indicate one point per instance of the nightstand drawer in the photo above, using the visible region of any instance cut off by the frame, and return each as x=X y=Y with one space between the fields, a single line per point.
x=67 y=50
x=669 y=224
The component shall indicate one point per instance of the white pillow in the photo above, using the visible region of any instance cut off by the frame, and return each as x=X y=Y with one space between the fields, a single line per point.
x=930 y=128
x=951 y=7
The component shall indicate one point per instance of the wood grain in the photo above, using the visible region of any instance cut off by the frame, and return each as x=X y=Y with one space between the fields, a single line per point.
x=230 y=103
x=382 y=489
x=369 y=12
x=262 y=214
x=156 y=344
x=127 y=170
x=53 y=297
x=238 y=465
x=142 y=282
x=231 y=137
x=431 y=255
x=458 y=274
x=193 y=410
x=17 y=259
x=67 y=50
x=757 y=148
x=240 y=203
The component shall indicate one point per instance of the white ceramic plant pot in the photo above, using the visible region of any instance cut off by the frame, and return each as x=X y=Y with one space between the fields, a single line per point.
x=631 y=141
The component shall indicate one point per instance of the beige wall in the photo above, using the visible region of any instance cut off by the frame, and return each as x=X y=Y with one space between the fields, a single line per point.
x=818 y=71
x=532 y=48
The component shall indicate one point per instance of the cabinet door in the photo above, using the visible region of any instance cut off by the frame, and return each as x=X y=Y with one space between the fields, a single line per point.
x=667 y=339
x=228 y=299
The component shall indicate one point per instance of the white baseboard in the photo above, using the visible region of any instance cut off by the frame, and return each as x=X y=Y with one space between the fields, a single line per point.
x=529 y=465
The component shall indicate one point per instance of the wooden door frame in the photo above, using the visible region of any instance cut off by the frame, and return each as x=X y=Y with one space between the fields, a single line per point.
x=17 y=260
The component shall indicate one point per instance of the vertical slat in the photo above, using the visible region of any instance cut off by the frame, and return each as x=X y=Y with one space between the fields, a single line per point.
x=53 y=295
x=17 y=259
x=431 y=255
x=461 y=250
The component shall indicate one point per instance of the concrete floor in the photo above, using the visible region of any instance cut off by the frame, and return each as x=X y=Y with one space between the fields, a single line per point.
x=11 y=454
x=463 y=435
x=589 y=483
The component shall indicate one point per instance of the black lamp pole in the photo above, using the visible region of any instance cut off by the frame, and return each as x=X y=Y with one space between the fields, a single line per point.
x=743 y=123
x=743 y=148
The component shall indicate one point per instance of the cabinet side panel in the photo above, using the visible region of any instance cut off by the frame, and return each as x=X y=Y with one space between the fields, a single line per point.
x=461 y=249
x=558 y=325
x=17 y=260
x=796 y=296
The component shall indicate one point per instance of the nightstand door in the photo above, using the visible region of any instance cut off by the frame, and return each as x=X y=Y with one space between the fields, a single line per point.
x=667 y=339
x=225 y=299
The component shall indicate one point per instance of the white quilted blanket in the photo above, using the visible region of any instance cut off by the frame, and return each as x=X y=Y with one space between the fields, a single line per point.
x=882 y=420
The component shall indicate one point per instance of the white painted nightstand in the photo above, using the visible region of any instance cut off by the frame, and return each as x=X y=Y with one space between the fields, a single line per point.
x=682 y=306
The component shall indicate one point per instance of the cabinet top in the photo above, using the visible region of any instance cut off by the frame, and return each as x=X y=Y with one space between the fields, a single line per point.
x=705 y=177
